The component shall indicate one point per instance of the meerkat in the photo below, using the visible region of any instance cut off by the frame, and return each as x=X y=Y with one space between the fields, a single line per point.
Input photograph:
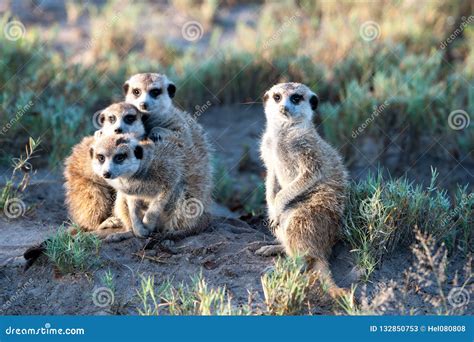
x=149 y=180
x=88 y=196
x=152 y=94
x=306 y=180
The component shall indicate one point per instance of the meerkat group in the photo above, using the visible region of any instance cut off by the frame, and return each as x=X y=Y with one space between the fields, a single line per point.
x=164 y=185
x=149 y=159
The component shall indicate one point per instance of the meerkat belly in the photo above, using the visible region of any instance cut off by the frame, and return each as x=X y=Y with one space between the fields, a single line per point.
x=285 y=165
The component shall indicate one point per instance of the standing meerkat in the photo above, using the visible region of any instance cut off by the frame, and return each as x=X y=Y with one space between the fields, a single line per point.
x=149 y=180
x=306 y=180
x=88 y=197
x=152 y=94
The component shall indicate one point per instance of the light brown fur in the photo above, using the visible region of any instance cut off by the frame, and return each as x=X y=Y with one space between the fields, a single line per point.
x=88 y=197
x=306 y=180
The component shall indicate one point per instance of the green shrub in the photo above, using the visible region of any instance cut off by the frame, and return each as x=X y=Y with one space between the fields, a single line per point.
x=383 y=214
x=73 y=252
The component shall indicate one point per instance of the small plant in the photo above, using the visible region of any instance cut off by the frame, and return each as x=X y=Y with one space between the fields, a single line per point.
x=194 y=299
x=383 y=214
x=16 y=185
x=72 y=252
x=107 y=280
x=430 y=270
x=286 y=287
x=348 y=303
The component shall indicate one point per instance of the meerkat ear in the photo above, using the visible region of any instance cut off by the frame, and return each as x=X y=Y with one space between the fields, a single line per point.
x=265 y=97
x=138 y=152
x=101 y=119
x=91 y=152
x=125 y=88
x=171 y=90
x=314 y=101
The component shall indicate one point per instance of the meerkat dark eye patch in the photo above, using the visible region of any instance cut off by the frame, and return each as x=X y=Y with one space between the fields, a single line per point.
x=155 y=92
x=277 y=97
x=101 y=158
x=129 y=119
x=119 y=158
x=136 y=92
x=314 y=101
x=121 y=141
x=138 y=152
x=296 y=98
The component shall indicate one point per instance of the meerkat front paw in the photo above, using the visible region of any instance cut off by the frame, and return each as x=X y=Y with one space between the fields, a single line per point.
x=273 y=218
x=270 y=250
x=152 y=224
x=111 y=222
x=140 y=230
x=158 y=134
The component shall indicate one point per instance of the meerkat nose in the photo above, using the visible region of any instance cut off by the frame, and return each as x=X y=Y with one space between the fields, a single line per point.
x=118 y=130
x=143 y=105
x=107 y=174
x=284 y=110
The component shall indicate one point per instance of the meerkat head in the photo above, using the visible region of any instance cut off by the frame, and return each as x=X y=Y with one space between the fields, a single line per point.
x=149 y=92
x=290 y=102
x=121 y=118
x=115 y=156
